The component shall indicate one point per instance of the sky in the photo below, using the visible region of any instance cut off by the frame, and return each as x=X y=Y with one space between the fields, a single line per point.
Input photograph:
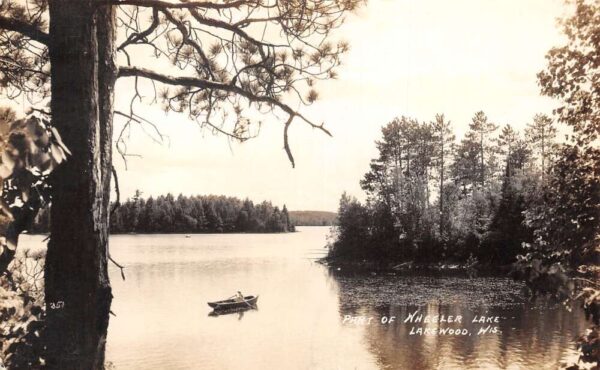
x=411 y=58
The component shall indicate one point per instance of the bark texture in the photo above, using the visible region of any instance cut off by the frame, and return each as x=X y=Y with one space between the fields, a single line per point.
x=83 y=75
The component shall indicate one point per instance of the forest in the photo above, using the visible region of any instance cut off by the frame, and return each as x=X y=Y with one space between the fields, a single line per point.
x=430 y=198
x=496 y=196
x=313 y=218
x=193 y=214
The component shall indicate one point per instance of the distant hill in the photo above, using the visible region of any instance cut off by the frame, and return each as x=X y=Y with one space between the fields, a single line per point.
x=312 y=218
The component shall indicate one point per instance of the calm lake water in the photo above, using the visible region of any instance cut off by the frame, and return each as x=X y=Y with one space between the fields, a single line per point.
x=309 y=317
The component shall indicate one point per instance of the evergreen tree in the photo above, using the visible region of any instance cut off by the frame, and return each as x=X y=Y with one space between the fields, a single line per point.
x=507 y=231
x=286 y=219
x=466 y=170
x=480 y=132
x=541 y=134
x=444 y=141
x=507 y=141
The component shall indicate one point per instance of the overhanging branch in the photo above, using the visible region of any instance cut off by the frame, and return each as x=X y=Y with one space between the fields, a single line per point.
x=214 y=85
x=182 y=5
x=25 y=29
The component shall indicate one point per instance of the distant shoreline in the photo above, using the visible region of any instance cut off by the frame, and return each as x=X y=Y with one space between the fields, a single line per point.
x=202 y=233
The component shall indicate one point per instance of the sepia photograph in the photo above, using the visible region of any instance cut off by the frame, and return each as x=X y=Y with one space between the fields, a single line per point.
x=299 y=184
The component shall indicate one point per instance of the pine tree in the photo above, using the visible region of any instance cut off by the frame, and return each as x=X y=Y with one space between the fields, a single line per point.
x=480 y=132
x=444 y=140
x=541 y=133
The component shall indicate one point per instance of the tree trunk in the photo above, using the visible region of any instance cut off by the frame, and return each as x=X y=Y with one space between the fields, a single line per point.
x=442 y=185
x=107 y=76
x=78 y=293
x=482 y=164
x=543 y=157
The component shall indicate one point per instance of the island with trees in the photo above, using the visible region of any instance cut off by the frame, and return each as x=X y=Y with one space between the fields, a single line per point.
x=168 y=214
x=199 y=214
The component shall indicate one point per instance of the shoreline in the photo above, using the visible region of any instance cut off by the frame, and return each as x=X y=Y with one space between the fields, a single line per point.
x=373 y=266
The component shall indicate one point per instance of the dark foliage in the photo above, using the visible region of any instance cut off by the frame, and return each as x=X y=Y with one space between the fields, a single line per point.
x=313 y=218
x=429 y=200
x=194 y=214
x=507 y=231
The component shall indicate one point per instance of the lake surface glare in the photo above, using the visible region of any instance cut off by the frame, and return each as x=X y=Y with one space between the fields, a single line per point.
x=162 y=319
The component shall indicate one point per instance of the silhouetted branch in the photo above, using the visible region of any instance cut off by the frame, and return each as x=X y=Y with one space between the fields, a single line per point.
x=41 y=111
x=230 y=88
x=286 y=144
x=141 y=36
x=122 y=268
x=25 y=29
x=114 y=208
x=117 y=191
x=213 y=85
x=183 y=5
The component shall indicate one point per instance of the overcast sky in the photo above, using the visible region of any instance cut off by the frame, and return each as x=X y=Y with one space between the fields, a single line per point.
x=407 y=57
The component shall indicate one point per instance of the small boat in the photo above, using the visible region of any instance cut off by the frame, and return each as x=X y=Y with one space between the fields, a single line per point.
x=228 y=304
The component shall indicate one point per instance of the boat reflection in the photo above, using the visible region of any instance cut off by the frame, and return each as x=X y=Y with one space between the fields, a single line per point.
x=239 y=311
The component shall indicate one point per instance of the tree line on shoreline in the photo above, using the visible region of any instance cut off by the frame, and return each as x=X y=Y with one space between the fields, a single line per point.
x=497 y=196
x=313 y=218
x=430 y=198
x=191 y=214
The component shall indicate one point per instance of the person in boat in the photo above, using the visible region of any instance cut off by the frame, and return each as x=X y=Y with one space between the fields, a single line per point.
x=239 y=297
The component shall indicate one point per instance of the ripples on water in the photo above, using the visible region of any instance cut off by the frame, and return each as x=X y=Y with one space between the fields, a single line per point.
x=532 y=335
x=163 y=321
x=392 y=289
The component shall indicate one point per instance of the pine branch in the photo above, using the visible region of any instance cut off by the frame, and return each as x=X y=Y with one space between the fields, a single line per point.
x=214 y=85
x=182 y=5
x=24 y=28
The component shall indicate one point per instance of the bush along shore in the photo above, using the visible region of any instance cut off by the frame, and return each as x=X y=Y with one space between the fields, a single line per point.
x=470 y=266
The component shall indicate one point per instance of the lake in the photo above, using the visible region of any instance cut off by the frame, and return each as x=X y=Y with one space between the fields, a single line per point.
x=309 y=317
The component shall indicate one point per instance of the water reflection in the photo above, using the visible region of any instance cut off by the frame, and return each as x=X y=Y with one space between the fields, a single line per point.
x=521 y=334
x=162 y=319
x=239 y=312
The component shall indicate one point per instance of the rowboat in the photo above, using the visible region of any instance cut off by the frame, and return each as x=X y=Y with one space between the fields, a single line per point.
x=228 y=304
